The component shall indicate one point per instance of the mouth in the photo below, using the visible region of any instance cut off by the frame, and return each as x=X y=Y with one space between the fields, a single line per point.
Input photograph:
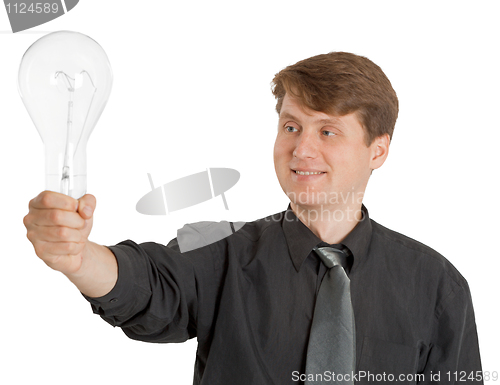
x=300 y=172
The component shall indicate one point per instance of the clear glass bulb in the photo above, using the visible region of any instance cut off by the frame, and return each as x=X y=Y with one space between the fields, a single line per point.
x=65 y=80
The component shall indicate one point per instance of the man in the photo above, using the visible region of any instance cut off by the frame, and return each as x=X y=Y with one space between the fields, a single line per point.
x=250 y=298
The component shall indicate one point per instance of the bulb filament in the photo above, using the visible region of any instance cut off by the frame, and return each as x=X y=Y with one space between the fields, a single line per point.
x=69 y=152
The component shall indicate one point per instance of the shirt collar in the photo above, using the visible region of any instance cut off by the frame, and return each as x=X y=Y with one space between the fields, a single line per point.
x=300 y=239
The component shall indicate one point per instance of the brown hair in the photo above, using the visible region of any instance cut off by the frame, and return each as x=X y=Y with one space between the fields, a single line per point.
x=339 y=83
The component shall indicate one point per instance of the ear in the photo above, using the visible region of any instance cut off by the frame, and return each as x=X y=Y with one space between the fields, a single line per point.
x=379 y=151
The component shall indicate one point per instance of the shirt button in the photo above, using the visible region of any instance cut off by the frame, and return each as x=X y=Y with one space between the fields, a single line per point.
x=114 y=300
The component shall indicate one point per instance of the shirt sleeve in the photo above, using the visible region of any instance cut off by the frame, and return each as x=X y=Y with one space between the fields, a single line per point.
x=454 y=354
x=157 y=295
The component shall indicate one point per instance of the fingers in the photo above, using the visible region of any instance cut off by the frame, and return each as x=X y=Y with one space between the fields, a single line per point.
x=86 y=206
x=53 y=200
x=54 y=217
x=54 y=209
x=53 y=250
x=58 y=226
x=58 y=234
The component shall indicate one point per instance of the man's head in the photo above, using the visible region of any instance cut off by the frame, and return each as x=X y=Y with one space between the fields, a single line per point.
x=339 y=83
x=336 y=117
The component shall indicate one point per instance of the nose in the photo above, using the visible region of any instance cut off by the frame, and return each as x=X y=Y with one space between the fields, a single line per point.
x=306 y=146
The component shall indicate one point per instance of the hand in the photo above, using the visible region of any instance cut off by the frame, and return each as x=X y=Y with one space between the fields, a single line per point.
x=58 y=226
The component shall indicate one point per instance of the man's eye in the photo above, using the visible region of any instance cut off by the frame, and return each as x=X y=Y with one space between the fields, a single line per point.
x=290 y=129
x=328 y=133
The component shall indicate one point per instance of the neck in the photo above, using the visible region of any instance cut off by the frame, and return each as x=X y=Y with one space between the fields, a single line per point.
x=331 y=225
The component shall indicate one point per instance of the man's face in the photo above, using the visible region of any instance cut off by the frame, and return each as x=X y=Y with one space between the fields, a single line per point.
x=322 y=161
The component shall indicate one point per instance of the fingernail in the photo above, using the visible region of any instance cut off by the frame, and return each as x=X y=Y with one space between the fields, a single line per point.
x=87 y=210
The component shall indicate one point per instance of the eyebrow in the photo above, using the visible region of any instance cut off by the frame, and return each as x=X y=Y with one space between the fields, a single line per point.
x=287 y=115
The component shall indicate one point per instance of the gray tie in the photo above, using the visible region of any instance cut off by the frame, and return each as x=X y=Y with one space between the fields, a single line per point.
x=331 y=353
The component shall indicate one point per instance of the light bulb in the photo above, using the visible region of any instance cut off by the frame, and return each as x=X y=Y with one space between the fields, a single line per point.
x=65 y=80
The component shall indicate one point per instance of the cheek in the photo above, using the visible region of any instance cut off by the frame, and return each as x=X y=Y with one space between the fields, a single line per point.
x=280 y=162
x=280 y=151
x=348 y=159
x=277 y=158
x=358 y=163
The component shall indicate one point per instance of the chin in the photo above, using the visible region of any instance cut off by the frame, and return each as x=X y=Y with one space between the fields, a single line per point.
x=306 y=201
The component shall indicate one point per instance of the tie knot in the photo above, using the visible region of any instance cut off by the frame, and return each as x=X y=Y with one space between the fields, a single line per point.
x=331 y=256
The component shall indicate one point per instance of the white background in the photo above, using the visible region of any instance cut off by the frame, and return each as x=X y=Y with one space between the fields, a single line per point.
x=191 y=91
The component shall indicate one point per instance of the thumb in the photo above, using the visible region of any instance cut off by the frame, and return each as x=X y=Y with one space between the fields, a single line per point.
x=86 y=206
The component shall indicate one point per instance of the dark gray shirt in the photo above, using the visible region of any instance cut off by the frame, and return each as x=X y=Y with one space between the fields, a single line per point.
x=249 y=300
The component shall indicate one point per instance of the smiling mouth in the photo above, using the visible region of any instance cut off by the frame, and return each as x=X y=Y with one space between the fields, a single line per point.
x=307 y=172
